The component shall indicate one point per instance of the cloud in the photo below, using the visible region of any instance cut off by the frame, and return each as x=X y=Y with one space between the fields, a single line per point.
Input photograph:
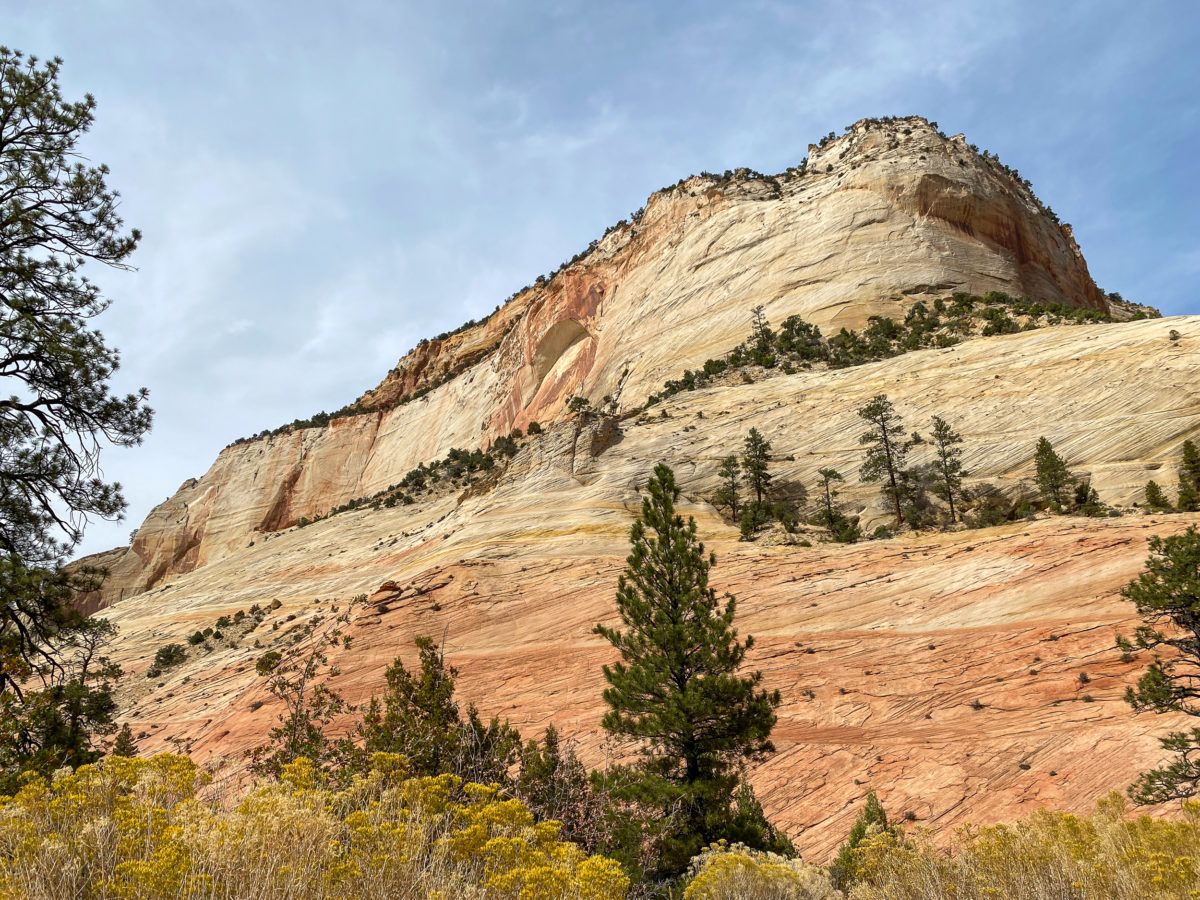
x=322 y=186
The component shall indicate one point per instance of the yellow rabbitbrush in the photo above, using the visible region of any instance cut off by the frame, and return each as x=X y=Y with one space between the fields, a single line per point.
x=136 y=829
x=724 y=872
x=1105 y=856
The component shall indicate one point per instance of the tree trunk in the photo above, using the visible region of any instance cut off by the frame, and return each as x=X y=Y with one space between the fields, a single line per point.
x=891 y=467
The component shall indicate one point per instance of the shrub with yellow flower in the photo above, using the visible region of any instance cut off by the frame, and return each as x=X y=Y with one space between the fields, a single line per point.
x=735 y=872
x=141 y=829
x=1105 y=856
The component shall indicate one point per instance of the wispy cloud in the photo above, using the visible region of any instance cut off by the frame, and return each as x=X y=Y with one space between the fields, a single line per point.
x=320 y=186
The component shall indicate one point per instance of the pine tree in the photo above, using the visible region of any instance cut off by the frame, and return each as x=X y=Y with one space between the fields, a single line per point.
x=948 y=464
x=756 y=458
x=59 y=214
x=545 y=772
x=677 y=692
x=762 y=340
x=1087 y=500
x=57 y=412
x=760 y=331
x=1054 y=479
x=301 y=681
x=419 y=718
x=1167 y=597
x=750 y=520
x=871 y=821
x=1156 y=497
x=886 y=450
x=55 y=717
x=798 y=337
x=418 y=715
x=57 y=406
x=727 y=495
x=915 y=482
x=1189 y=497
x=830 y=514
x=125 y=744
x=1189 y=479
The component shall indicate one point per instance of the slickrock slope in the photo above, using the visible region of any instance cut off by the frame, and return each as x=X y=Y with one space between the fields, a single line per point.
x=887 y=214
x=880 y=649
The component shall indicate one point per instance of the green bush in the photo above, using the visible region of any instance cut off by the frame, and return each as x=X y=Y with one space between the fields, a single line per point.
x=167 y=657
x=754 y=515
x=800 y=344
x=845 y=530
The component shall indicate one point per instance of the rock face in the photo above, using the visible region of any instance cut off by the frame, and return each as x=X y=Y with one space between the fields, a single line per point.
x=943 y=670
x=880 y=649
x=887 y=214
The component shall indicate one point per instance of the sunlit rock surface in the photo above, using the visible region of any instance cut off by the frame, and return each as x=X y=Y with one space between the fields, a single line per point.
x=942 y=670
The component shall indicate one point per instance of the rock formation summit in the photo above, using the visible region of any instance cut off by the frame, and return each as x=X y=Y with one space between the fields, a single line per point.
x=942 y=669
x=889 y=213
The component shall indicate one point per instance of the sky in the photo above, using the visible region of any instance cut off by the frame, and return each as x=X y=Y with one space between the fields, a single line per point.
x=320 y=185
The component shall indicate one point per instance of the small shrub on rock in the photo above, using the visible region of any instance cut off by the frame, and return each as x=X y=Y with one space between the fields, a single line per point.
x=167 y=657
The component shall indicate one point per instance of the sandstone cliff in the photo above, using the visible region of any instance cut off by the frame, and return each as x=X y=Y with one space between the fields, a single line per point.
x=881 y=649
x=885 y=215
x=942 y=670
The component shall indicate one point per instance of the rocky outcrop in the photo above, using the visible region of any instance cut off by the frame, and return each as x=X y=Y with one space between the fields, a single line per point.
x=948 y=183
x=890 y=213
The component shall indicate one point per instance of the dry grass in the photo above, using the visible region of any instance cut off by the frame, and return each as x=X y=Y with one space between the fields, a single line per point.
x=1049 y=856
